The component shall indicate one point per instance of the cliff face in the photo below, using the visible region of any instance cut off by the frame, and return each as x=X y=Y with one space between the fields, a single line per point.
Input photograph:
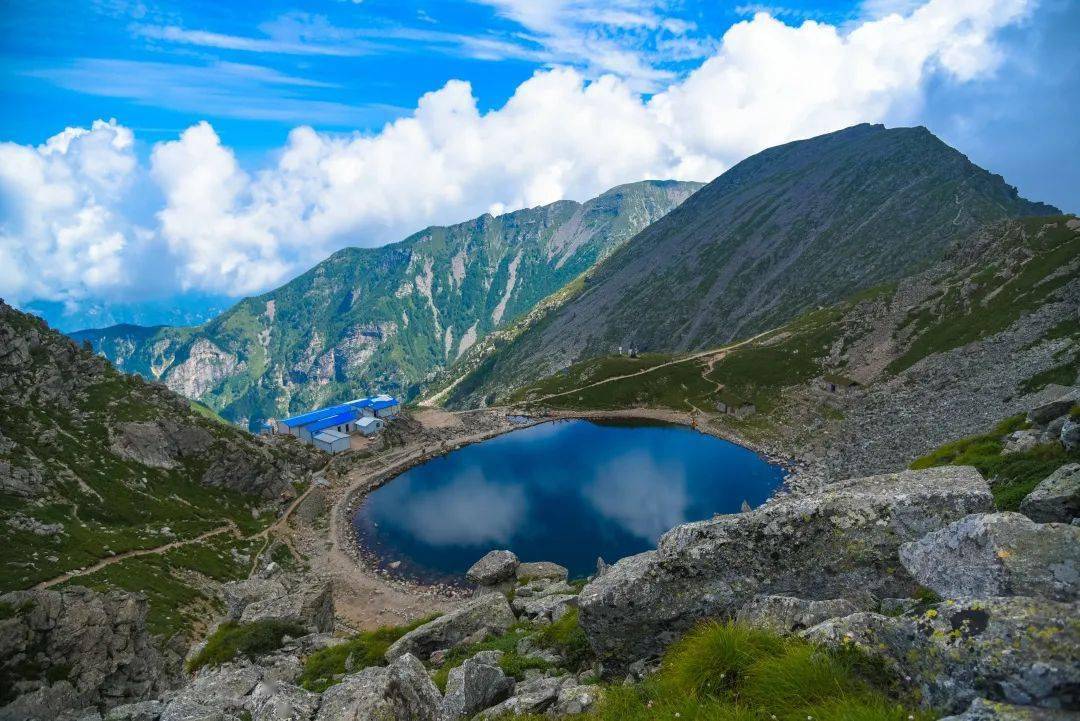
x=787 y=230
x=385 y=318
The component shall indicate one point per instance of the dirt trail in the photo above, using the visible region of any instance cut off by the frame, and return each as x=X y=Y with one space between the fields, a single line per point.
x=716 y=353
x=230 y=526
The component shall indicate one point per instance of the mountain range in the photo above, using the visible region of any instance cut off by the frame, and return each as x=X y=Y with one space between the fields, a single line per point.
x=385 y=319
x=792 y=228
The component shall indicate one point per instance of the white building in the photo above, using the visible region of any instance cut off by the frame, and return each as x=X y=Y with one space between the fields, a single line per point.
x=331 y=441
x=369 y=426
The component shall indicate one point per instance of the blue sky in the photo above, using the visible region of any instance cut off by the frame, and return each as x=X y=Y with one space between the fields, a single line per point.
x=220 y=148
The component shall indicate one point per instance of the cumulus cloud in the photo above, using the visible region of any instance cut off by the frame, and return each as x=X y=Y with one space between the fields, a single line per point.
x=65 y=230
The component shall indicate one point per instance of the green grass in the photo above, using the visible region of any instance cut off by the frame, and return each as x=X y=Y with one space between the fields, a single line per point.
x=511 y=663
x=1012 y=476
x=728 y=672
x=567 y=637
x=1064 y=374
x=249 y=639
x=367 y=648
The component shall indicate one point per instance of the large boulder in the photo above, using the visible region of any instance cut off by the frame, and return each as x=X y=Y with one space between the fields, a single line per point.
x=530 y=697
x=495 y=567
x=1020 y=650
x=1070 y=434
x=1056 y=498
x=983 y=710
x=475 y=685
x=402 y=691
x=215 y=693
x=997 y=554
x=840 y=542
x=787 y=614
x=310 y=604
x=541 y=570
x=490 y=613
x=68 y=649
x=1051 y=409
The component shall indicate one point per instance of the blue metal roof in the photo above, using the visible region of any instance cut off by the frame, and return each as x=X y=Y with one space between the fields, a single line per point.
x=347 y=416
x=312 y=417
x=306 y=418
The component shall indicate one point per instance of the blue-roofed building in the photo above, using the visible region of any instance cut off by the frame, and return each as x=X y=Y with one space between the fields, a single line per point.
x=341 y=419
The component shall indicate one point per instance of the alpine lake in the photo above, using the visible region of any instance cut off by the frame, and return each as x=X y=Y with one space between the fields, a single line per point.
x=567 y=491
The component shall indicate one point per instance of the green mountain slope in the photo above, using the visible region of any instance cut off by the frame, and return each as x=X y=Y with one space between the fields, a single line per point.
x=386 y=318
x=800 y=225
x=96 y=464
x=944 y=353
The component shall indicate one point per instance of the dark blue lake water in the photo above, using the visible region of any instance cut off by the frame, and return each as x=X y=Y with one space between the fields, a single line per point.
x=566 y=491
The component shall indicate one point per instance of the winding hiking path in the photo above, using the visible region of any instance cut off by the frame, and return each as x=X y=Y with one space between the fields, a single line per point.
x=230 y=526
x=715 y=353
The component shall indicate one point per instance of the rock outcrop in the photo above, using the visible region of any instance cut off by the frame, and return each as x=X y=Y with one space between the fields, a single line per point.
x=997 y=554
x=75 y=648
x=495 y=568
x=841 y=542
x=787 y=614
x=475 y=685
x=1019 y=650
x=402 y=691
x=1056 y=498
x=485 y=614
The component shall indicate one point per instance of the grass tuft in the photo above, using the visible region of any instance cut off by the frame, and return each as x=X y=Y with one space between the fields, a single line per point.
x=232 y=639
x=367 y=648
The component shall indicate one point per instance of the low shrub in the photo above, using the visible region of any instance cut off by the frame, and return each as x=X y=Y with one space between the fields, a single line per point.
x=367 y=648
x=250 y=639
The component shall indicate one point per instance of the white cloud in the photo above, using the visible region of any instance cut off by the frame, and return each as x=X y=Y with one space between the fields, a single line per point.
x=65 y=230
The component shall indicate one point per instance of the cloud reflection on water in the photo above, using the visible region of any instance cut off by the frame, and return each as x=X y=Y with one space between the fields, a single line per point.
x=468 y=511
x=640 y=495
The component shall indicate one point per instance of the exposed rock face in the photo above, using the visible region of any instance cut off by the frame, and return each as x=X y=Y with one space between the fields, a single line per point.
x=997 y=554
x=1057 y=498
x=86 y=649
x=838 y=543
x=1020 y=650
x=489 y=613
x=545 y=609
x=1070 y=434
x=475 y=685
x=311 y=604
x=786 y=614
x=401 y=691
x=983 y=710
x=493 y=568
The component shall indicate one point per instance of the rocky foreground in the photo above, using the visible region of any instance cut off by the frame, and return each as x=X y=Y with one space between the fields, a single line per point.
x=966 y=609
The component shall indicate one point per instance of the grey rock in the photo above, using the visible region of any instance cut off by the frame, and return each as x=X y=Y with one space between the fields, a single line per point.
x=1056 y=498
x=238 y=595
x=997 y=554
x=840 y=542
x=489 y=614
x=475 y=685
x=141 y=711
x=787 y=614
x=530 y=697
x=983 y=710
x=100 y=642
x=1021 y=650
x=1021 y=441
x=402 y=691
x=1046 y=412
x=493 y=568
x=311 y=604
x=1070 y=434
x=545 y=609
x=898 y=606
x=575 y=700
x=541 y=570
x=272 y=701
